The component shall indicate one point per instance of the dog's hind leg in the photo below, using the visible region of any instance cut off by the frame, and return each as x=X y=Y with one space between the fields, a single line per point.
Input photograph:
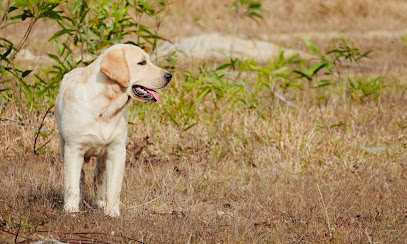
x=61 y=146
x=82 y=183
x=99 y=182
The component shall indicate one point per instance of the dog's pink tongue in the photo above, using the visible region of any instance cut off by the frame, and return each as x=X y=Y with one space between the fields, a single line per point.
x=155 y=95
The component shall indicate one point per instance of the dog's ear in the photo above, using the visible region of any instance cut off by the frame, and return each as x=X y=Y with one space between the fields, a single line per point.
x=114 y=65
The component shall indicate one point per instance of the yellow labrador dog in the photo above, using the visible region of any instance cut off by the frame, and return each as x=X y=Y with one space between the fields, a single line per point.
x=90 y=112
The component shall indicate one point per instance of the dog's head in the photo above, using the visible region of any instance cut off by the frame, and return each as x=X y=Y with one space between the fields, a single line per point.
x=131 y=68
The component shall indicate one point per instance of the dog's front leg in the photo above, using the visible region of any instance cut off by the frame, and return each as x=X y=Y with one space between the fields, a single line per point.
x=73 y=161
x=115 y=163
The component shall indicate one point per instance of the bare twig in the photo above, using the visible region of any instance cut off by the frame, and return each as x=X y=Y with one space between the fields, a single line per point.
x=398 y=236
x=142 y=204
x=368 y=236
x=88 y=205
x=17 y=122
x=234 y=31
x=27 y=33
x=324 y=208
x=14 y=234
x=91 y=233
x=283 y=99
x=14 y=120
x=83 y=239
x=4 y=18
x=39 y=130
x=10 y=124
x=18 y=232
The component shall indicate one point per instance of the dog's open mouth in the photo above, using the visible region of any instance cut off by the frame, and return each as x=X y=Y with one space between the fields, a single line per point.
x=146 y=94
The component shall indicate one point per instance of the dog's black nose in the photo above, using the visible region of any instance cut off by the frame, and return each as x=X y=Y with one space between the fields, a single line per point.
x=168 y=77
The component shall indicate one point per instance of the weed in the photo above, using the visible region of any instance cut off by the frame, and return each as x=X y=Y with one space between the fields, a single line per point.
x=244 y=8
x=362 y=87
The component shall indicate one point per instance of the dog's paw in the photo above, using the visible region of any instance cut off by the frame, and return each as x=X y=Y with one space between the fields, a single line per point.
x=101 y=204
x=70 y=208
x=112 y=212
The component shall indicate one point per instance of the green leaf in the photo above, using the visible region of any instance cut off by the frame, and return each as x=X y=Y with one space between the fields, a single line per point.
x=52 y=2
x=223 y=66
x=314 y=70
x=4 y=56
x=51 y=14
x=303 y=75
x=118 y=13
x=376 y=96
x=25 y=73
x=60 y=33
x=254 y=15
x=12 y=8
x=173 y=120
x=54 y=57
x=337 y=125
x=312 y=47
x=21 y=3
x=190 y=126
x=255 y=5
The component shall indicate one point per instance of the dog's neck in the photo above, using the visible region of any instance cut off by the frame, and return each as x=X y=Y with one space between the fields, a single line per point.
x=114 y=108
x=111 y=99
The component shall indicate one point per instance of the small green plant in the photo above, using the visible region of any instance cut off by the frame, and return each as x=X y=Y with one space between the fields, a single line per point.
x=206 y=86
x=404 y=39
x=14 y=83
x=362 y=88
x=244 y=8
x=327 y=66
x=328 y=62
x=88 y=28
x=93 y=27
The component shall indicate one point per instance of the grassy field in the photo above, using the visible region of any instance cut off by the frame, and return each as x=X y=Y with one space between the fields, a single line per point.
x=327 y=170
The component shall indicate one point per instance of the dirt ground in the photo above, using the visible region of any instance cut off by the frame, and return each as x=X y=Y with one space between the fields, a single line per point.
x=319 y=173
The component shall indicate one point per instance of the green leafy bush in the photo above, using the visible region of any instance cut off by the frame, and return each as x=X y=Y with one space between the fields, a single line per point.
x=88 y=27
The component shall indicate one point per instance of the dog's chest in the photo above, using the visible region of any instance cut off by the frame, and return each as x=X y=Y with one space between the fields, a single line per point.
x=108 y=131
x=102 y=136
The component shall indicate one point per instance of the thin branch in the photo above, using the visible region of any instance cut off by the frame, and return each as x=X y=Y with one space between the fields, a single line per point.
x=172 y=188
x=27 y=33
x=14 y=120
x=324 y=208
x=398 y=236
x=91 y=233
x=14 y=234
x=88 y=239
x=283 y=99
x=18 y=232
x=10 y=124
x=6 y=9
x=39 y=130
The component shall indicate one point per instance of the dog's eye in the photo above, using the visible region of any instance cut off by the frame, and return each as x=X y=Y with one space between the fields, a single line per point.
x=142 y=62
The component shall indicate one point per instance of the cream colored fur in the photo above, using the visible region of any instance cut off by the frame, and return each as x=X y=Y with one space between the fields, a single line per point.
x=90 y=111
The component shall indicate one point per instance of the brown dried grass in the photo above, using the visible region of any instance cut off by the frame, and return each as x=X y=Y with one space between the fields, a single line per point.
x=287 y=178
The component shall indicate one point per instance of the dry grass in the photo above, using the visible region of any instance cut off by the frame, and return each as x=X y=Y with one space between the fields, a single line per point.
x=293 y=182
x=293 y=16
x=235 y=178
